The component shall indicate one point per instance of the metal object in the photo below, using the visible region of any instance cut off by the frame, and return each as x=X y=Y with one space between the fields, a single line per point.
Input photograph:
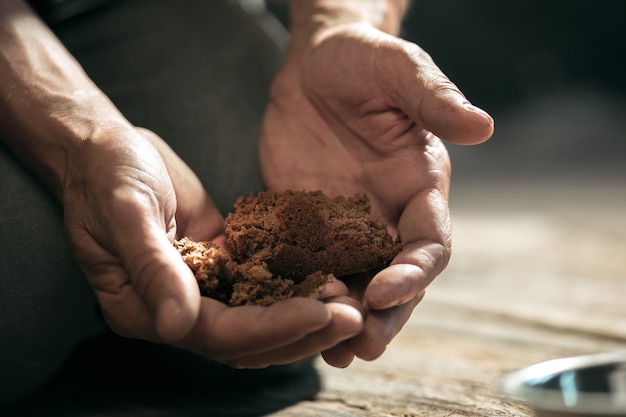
x=590 y=385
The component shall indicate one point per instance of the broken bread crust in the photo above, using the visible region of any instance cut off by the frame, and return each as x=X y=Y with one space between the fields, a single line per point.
x=286 y=245
x=298 y=233
x=250 y=283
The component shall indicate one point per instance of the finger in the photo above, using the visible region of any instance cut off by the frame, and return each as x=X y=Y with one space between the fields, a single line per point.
x=425 y=231
x=380 y=328
x=418 y=87
x=346 y=322
x=347 y=300
x=161 y=280
x=335 y=288
x=226 y=333
x=340 y=356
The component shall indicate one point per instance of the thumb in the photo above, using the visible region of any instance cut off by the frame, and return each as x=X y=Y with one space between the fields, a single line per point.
x=445 y=112
x=421 y=90
x=163 y=282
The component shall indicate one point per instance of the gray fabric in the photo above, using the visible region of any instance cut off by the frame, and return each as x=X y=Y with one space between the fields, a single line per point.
x=46 y=306
x=195 y=72
x=54 y=11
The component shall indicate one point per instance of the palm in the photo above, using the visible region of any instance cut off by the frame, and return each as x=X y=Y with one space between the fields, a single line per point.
x=357 y=110
x=335 y=128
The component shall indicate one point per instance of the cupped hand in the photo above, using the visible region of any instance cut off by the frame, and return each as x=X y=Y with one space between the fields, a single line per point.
x=357 y=110
x=126 y=198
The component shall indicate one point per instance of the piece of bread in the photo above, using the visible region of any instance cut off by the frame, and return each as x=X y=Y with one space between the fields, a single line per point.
x=298 y=233
x=289 y=244
x=221 y=278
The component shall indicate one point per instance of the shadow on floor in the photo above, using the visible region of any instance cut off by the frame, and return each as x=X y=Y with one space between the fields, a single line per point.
x=160 y=382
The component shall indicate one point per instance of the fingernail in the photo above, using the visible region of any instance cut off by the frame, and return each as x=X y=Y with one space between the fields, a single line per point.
x=349 y=301
x=470 y=107
x=352 y=321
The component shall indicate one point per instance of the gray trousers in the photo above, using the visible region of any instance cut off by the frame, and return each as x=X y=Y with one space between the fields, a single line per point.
x=197 y=73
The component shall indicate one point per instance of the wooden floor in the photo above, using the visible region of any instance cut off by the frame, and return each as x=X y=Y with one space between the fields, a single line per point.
x=537 y=273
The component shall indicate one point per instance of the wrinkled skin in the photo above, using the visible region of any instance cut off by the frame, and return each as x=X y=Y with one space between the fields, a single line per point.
x=371 y=121
x=353 y=110
x=121 y=227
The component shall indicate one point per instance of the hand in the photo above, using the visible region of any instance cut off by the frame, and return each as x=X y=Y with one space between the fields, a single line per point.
x=357 y=110
x=121 y=214
x=127 y=198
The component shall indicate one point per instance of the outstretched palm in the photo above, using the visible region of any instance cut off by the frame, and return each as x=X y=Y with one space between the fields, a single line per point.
x=360 y=111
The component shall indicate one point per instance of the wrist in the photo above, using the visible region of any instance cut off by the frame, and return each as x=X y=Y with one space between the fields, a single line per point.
x=48 y=128
x=311 y=21
x=308 y=16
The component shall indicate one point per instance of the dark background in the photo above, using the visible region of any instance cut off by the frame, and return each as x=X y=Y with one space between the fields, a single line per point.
x=503 y=53
x=551 y=73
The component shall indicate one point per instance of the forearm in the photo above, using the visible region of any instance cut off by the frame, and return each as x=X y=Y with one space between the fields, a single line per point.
x=48 y=105
x=310 y=21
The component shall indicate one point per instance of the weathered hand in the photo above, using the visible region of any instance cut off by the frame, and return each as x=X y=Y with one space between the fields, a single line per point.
x=120 y=213
x=129 y=196
x=357 y=110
